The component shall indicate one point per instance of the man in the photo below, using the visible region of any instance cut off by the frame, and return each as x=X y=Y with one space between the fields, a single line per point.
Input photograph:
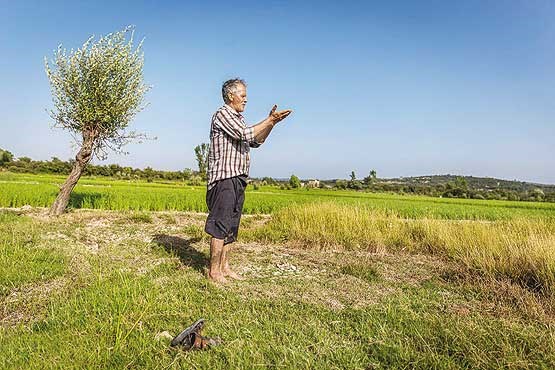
x=228 y=170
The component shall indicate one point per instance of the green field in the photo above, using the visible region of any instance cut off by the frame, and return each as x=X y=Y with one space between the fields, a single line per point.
x=17 y=190
x=334 y=280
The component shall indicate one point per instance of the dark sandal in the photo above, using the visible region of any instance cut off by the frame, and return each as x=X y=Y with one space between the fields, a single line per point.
x=187 y=337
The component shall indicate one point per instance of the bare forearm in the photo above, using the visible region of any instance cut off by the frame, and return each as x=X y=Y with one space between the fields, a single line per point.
x=264 y=127
x=262 y=130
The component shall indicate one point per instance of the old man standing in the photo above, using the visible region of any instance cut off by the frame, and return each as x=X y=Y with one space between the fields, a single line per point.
x=228 y=170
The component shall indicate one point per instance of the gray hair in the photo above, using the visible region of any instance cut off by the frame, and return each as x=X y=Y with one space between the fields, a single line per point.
x=230 y=87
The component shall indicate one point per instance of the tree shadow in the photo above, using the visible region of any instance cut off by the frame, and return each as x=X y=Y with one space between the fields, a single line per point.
x=182 y=248
x=79 y=200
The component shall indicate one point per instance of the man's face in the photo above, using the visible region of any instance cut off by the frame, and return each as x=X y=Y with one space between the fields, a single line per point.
x=239 y=98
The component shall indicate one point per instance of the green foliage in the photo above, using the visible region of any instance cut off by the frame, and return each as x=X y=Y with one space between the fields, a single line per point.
x=371 y=178
x=5 y=157
x=196 y=180
x=460 y=183
x=187 y=173
x=56 y=166
x=98 y=89
x=341 y=184
x=294 y=182
x=201 y=154
x=537 y=194
x=354 y=183
x=457 y=188
x=24 y=159
x=269 y=181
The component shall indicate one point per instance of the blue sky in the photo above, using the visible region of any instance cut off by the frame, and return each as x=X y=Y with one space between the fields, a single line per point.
x=403 y=87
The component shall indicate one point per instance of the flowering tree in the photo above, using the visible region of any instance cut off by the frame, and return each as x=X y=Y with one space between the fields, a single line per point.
x=96 y=91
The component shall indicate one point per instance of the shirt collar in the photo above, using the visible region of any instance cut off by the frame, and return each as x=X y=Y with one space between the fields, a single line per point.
x=229 y=108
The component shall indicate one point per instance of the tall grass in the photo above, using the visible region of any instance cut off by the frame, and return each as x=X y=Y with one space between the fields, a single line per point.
x=520 y=249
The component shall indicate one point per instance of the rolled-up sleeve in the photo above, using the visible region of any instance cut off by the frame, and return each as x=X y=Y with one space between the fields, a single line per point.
x=234 y=127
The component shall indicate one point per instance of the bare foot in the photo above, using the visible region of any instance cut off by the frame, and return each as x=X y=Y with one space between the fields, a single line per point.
x=233 y=275
x=217 y=278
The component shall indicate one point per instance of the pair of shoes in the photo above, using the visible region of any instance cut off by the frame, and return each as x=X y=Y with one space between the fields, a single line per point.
x=191 y=338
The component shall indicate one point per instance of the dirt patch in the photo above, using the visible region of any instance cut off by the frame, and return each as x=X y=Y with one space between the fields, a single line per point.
x=315 y=277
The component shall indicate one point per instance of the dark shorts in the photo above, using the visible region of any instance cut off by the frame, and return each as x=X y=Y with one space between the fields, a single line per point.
x=225 y=204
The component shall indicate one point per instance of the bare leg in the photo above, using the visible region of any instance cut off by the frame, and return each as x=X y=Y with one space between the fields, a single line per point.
x=216 y=252
x=224 y=265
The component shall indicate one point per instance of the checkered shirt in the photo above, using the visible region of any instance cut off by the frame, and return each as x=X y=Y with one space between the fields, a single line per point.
x=230 y=143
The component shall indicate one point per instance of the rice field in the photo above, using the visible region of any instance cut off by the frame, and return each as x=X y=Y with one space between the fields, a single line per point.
x=17 y=190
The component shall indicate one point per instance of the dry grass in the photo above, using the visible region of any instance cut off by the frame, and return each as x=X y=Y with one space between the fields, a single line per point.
x=520 y=249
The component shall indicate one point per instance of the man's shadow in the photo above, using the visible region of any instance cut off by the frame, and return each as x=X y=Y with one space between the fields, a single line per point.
x=182 y=248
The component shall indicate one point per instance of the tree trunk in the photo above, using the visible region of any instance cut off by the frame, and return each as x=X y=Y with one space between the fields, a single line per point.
x=82 y=158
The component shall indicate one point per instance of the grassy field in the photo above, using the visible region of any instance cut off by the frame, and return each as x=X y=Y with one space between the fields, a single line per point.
x=17 y=190
x=117 y=281
x=335 y=279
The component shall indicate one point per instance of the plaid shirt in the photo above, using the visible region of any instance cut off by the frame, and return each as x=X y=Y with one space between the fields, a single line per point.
x=230 y=143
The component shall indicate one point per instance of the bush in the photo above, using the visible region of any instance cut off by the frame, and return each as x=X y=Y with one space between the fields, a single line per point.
x=341 y=184
x=294 y=182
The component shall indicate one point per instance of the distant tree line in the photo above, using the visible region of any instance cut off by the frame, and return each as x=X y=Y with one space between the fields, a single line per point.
x=435 y=186
x=57 y=166
x=458 y=189
x=445 y=186
x=449 y=187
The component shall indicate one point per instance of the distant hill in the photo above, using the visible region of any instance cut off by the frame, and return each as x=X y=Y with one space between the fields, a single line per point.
x=451 y=186
x=474 y=183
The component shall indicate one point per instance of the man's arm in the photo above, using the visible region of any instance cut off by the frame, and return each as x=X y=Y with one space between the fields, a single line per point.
x=264 y=127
